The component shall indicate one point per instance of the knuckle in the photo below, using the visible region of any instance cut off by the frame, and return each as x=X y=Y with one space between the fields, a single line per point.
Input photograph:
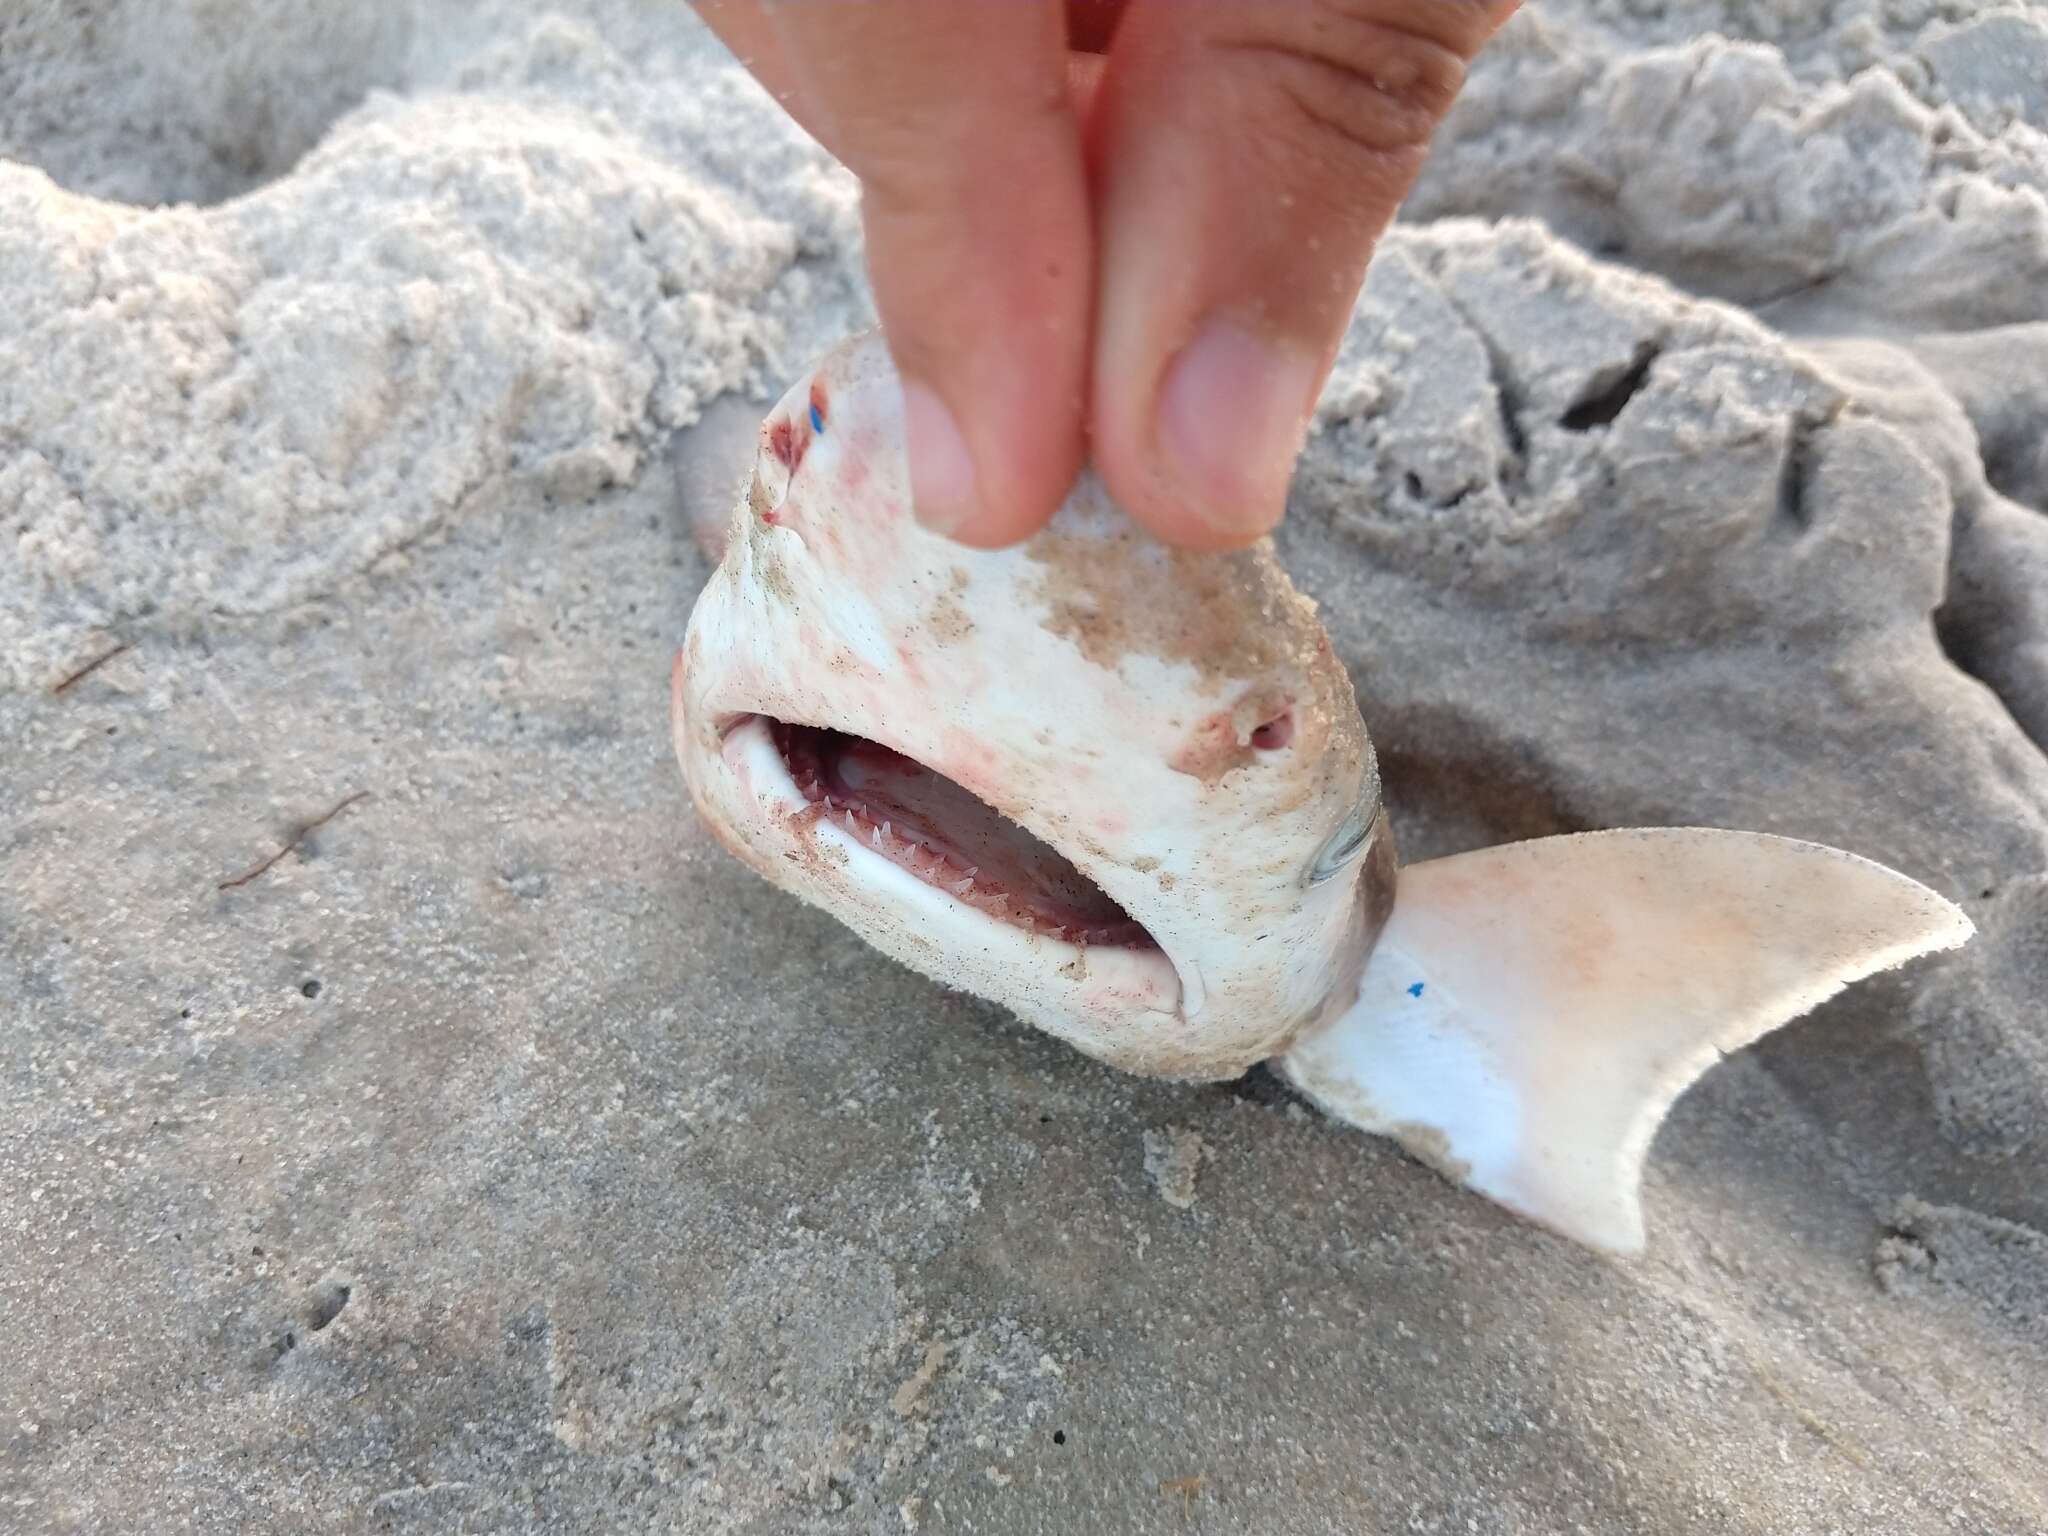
x=925 y=159
x=1370 y=76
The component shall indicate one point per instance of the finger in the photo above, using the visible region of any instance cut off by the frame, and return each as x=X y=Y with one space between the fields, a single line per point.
x=956 y=120
x=1250 y=155
x=745 y=28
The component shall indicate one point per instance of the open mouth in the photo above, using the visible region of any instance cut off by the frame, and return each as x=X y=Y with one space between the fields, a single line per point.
x=931 y=827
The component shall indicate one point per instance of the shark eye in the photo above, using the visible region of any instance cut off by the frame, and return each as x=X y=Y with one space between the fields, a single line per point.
x=1344 y=844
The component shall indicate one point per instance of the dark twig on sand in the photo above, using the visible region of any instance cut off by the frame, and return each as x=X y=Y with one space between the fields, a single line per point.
x=297 y=837
x=90 y=667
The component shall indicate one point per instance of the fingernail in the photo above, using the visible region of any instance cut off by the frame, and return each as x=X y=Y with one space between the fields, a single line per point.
x=1232 y=415
x=941 y=469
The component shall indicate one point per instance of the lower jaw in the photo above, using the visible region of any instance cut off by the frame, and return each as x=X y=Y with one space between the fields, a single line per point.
x=1123 y=1004
x=1128 y=1006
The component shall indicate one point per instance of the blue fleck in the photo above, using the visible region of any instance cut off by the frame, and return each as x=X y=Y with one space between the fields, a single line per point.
x=1416 y=990
x=817 y=419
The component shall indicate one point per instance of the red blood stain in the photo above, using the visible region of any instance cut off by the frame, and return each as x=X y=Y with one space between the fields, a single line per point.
x=789 y=437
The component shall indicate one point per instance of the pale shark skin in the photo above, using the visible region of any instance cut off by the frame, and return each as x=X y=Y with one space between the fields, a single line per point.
x=1519 y=1017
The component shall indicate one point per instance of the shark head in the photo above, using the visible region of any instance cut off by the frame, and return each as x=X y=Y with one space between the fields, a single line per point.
x=1124 y=791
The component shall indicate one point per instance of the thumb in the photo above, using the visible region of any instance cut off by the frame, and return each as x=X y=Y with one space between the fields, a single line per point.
x=1249 y=156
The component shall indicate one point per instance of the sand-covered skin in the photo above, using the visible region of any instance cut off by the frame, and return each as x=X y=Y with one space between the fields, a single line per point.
x=505 y=1157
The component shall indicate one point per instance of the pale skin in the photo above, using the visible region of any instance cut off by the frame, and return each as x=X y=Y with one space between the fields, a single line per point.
x=1130 y=231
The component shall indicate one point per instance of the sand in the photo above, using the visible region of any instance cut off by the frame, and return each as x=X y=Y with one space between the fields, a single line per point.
x=502 y=1157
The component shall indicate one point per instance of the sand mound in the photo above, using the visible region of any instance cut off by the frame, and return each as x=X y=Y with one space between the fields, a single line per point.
x=1856 y=164
x=535 y=263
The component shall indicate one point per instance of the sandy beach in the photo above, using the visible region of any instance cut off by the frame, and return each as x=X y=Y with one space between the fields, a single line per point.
x=412 y=1121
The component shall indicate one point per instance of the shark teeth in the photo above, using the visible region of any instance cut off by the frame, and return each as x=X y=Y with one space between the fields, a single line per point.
x=947 y=871
x=943 y=868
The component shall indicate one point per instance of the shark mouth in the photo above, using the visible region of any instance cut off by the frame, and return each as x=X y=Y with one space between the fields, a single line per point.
x=933 y=828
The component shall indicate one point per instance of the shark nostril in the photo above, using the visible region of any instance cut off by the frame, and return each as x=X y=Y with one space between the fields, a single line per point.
x=1275 y=733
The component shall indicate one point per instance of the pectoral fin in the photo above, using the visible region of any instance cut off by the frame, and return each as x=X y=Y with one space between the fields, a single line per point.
x=1530 y=1012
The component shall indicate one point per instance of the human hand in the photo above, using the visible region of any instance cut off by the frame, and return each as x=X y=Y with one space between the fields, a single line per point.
x=1141 y=224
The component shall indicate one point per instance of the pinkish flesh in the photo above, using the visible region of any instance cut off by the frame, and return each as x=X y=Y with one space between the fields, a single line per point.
x=925 y=823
